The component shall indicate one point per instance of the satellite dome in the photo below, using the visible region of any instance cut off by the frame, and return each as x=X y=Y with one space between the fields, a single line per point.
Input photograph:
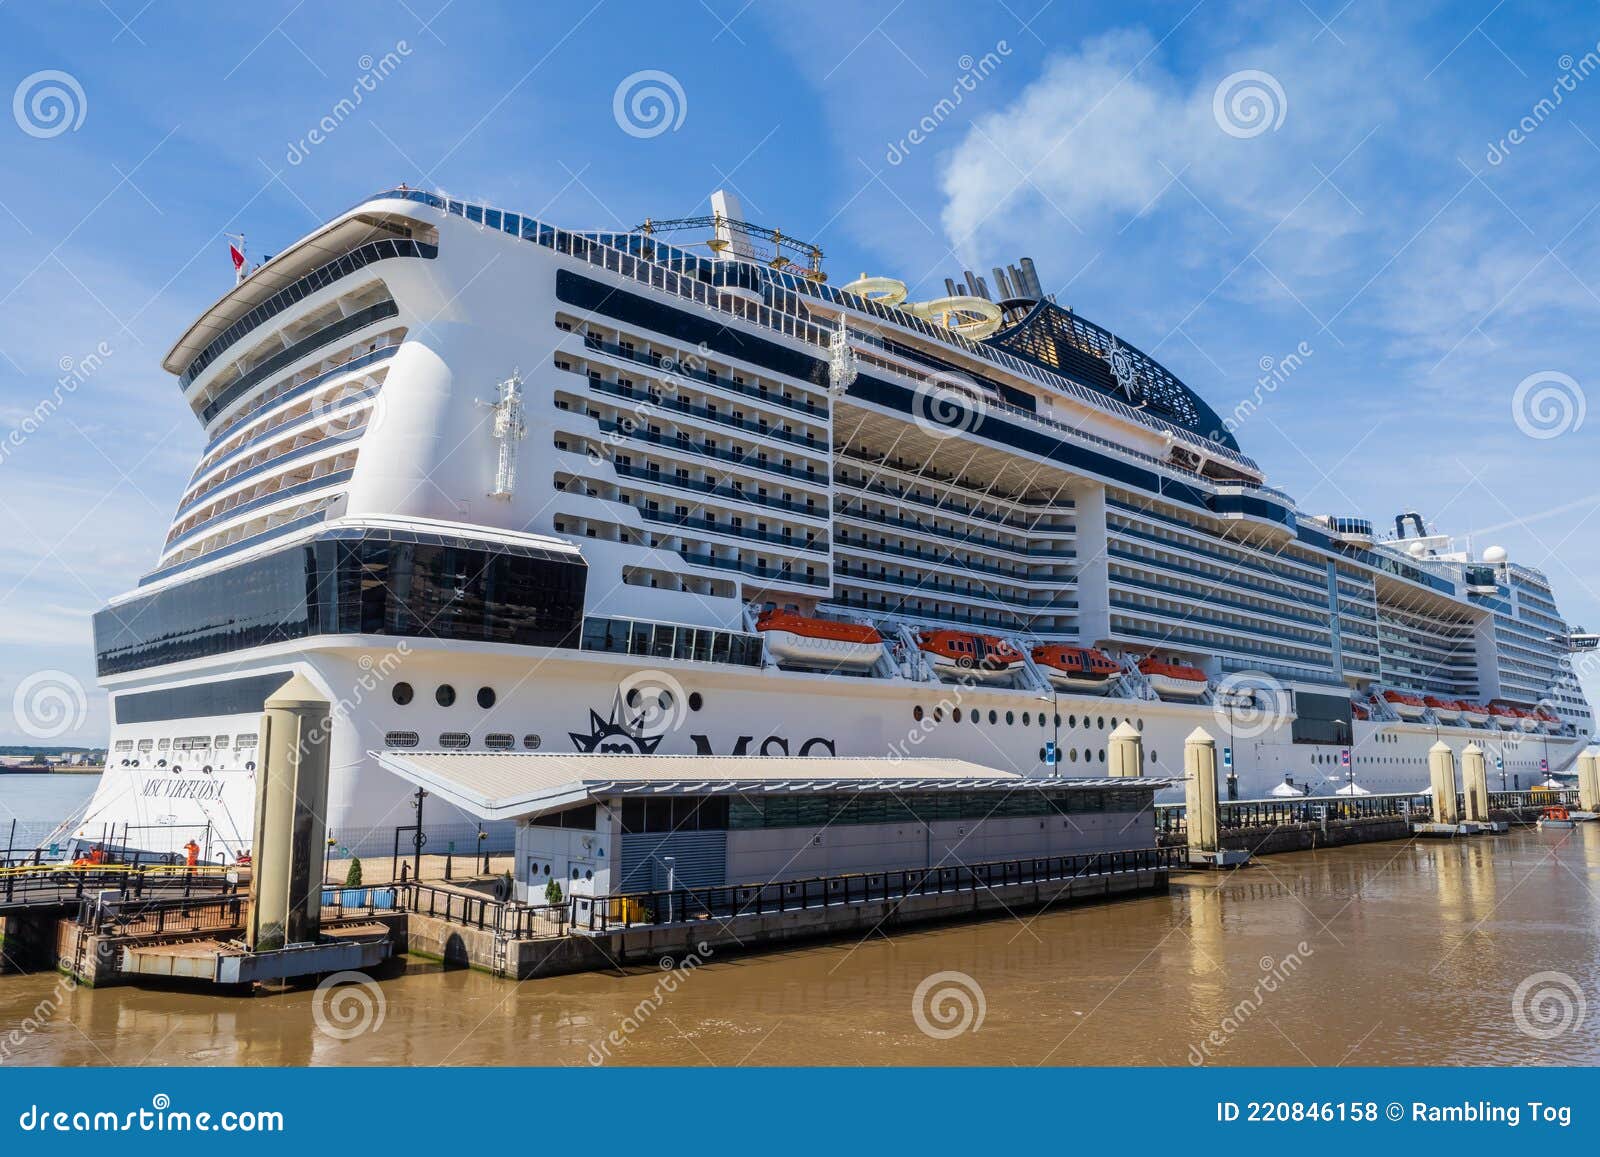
x=1418 y=549
x=1495 y=555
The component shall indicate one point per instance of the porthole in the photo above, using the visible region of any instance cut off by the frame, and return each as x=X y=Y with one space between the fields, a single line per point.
x=1088 y=755
x=1141 y=726
x=976 y=716
x=1072 y=756
x=454 y=740
x=955 y=715
x=1101 y=723
x=401 y=693
x=1027 y=719
x=916 y=713
x=396 y=739
x=1010 y=718
x=993 y=717
x=1041 y=755
x=1102 y=755
x=206 y=770
x=176 y=770
x=486 y=697
x=1072 y=721
x=532 y=742
x=499 y=741
x=695 y=701
x=1154 y=758
x=1058 y=721
x=444 y=695
x=938 y=714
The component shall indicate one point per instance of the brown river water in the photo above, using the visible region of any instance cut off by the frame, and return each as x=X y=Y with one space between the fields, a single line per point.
x=1467 y=952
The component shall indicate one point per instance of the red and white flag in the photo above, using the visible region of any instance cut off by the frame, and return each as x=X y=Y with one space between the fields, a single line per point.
x=236 y=254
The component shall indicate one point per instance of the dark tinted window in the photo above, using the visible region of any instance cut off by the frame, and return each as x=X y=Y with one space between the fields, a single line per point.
x=368 y=582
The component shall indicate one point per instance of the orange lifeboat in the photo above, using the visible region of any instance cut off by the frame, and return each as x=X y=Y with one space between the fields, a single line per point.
x=963 y=655
x=1174 y=680
x=1506 y=716
x=1081 y=669
x=1548 y=719
x=1406 y=705
x=1475 y=713
x=796 y=640
x=1360 y=711
x=1445 y=710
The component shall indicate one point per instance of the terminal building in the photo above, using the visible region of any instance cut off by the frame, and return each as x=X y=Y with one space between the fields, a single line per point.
x=609 y=825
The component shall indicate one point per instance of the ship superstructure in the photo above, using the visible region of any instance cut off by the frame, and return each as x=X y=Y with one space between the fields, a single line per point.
x=498 y=485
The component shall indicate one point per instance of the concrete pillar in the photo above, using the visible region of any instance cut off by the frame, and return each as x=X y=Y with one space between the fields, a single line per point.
x=291 y=818
x=1125 y=757
x=1475 y=783
x=1442 y=773
x=1589 y=780
x=1200 y=789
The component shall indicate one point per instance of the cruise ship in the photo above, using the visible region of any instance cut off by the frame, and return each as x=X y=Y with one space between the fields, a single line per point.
x=496 y=485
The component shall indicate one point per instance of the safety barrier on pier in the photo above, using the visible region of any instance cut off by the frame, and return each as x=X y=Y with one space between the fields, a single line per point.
x=619 y=913
x=1237 y=815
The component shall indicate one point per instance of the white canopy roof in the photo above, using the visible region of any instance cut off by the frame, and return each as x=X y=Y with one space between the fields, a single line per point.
x=507 y=785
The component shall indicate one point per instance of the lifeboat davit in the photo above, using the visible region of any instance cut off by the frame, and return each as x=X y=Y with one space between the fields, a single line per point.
x=1174 y=680
x=1474 y=713
x=1405 y=705
x=1445 y=710
x=1360 y=711
x=796 y=640
x=1506 y=716
x=1081 y=669
x=963 y=655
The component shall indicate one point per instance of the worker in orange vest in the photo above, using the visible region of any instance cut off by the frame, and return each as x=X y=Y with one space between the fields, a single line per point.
x=191 y=851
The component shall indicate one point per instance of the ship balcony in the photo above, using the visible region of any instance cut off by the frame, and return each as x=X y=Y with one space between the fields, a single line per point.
x=1350 y=531
x=843 y=511
x=947 y=562
x=979 y=593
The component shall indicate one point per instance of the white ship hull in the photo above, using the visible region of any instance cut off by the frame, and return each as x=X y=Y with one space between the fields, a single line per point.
x=573 y=702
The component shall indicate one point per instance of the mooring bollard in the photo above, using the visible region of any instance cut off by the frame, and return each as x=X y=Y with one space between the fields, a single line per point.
x=1442 y=774
x=1589 y=780
x=290 y=829
x=1200 y=790
x=1125 y=759
x=1475 y=783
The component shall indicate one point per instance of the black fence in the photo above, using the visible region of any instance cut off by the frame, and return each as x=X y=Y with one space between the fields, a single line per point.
x=62 y=883
x=159 y=917
x=1172 y=819
x=507 y=918
x=616 y=913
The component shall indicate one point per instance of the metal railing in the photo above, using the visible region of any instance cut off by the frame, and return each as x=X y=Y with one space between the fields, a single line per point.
x=164 y=917
x=1172 y=819
x=616 y=913
x=62 y=883
x=511 y=920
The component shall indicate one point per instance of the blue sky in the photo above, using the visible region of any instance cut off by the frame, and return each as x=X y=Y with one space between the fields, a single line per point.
x=1412 y=208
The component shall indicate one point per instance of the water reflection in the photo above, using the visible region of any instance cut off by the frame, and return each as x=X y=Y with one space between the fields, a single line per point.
x=1376 y=955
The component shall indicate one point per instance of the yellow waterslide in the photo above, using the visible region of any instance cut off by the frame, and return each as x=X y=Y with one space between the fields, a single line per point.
x=971 y=317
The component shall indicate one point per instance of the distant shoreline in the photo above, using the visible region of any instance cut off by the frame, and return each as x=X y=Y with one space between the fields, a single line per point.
x=95 y=770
